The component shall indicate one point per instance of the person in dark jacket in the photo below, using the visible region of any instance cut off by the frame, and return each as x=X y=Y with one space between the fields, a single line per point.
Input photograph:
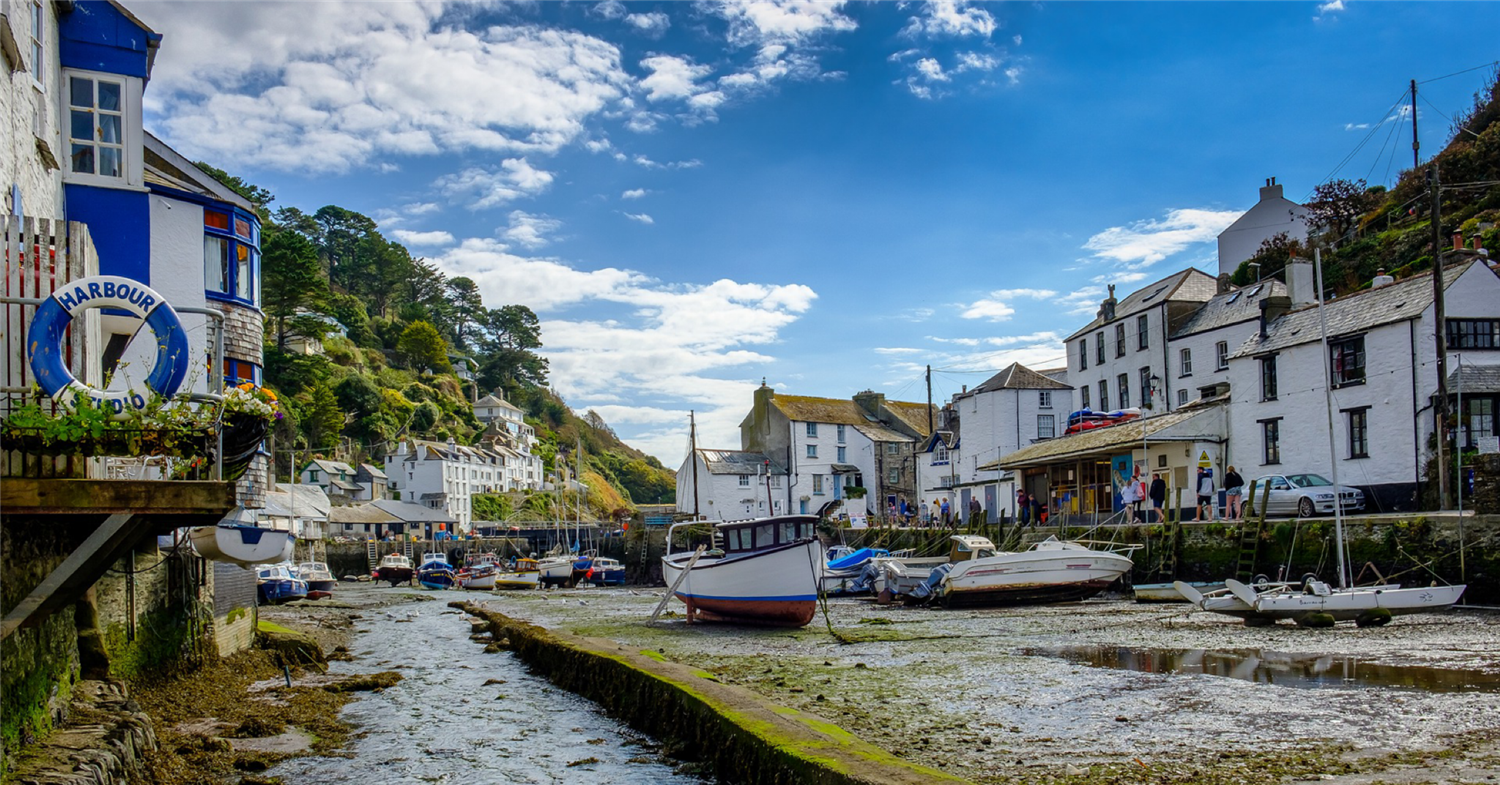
x=1234 y=489
x=1158 y=496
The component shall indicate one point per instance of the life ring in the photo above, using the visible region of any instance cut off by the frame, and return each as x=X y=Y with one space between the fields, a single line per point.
x=44 y=340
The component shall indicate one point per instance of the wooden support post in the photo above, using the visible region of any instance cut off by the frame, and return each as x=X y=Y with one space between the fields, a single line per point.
x=67 y=582
x=672 y=590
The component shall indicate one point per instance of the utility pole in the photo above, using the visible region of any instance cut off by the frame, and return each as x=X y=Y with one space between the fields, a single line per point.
x=1416 y=145
x=1440 y=330
x=929 y=400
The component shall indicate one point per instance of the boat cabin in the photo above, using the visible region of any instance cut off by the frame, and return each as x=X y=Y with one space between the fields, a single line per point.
x=758 y=535
x=432 y=557
x=968 y=546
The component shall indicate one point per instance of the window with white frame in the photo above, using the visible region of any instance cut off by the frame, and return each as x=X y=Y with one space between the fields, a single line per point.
x=812 y=430
x=744 y=481
x=1046 y=426
x=818 y=484
x=841 y=434
x=812 y=450
x=1185 y=362
x=1221 y=351
x=893 y=476
x=38 y=17
x=96 y=126
x=1044 y=399
x=1182 y=397
x=1083 y=397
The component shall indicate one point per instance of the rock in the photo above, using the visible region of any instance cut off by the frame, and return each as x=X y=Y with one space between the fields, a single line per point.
x=292 y=648
x=488 y=682
x=373 y=681
x=1316 y=620
x=1122 y=718
x=1072 y=771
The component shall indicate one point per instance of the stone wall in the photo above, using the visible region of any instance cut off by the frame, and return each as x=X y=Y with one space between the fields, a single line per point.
x=1486 y=498
x=38 y=665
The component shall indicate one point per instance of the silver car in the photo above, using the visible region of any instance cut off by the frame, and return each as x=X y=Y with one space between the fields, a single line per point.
x=1305 y=495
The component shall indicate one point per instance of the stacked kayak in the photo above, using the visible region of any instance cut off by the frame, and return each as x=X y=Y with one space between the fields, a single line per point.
x=1088 y=419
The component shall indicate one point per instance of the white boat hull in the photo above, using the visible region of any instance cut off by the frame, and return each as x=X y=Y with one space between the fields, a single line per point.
x=1167 y=592
x=777 y=586
x=1342 y=604
x=556 y=570
x=1041 y=575
x=242 y=545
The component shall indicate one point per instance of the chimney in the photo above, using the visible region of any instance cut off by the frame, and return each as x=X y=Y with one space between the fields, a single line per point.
x=1270 y=190
x=1458 y=241
x=1271 y=309
x=1223 y=284
x=1107 y=308
x=1381 y=279
x=872 y=402
x=1300 y=286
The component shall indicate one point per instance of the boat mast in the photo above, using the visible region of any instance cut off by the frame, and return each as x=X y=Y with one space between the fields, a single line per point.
x=1333 y=458
x=693 y=453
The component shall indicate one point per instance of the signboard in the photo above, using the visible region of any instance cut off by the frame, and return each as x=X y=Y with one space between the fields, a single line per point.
x=1489 y=445
x=1203 y=460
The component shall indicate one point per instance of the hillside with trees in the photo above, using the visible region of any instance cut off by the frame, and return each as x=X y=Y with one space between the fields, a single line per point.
x=392 y=326
x=1362 y=229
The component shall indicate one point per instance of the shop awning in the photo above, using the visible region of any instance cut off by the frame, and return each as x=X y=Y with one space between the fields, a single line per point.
x=1206 y=423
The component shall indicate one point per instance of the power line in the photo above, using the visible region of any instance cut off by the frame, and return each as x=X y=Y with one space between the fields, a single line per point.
x=1446 y=117
x=1384 y=118
x=1491 y=64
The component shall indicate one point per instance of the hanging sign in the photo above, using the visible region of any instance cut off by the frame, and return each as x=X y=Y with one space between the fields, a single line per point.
x=44 y=341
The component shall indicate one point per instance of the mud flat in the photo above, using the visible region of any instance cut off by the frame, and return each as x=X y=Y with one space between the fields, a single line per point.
x=1102 y=691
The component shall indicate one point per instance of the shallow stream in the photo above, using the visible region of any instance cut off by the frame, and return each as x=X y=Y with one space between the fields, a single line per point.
x=442 y=723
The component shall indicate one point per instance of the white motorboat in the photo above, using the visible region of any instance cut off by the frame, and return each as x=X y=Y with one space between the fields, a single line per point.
x=1269 y=603
x=242 y=545
x=976 y=573
x=767 y=573
x=320 y=580
x=394 y=568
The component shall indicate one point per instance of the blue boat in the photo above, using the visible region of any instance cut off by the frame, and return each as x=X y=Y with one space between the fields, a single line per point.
x=276 y=584
x=608 y=572
x=436 y=572
x=844 y=571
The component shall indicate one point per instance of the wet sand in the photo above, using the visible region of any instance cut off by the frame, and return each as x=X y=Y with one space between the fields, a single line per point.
x=1006 y=695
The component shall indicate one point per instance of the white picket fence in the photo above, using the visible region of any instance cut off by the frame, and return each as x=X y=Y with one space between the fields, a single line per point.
x=41 y=256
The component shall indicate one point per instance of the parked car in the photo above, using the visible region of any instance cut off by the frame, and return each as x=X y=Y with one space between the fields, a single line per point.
x=1305 y=495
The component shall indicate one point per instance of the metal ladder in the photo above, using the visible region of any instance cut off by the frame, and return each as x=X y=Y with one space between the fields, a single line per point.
x=372 y=553
x=1250 y=537
x=672 y=590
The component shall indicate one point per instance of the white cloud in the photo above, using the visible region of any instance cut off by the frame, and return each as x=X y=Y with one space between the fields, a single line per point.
x=529 y=230
x=1038 y=351
x=672 y=77
x=1082 y=301
x=481 y=188
x=423 y=238
x=975 y=61
x=1120 y=278
x=640 y=217
x=896 y=350
x=337 y=85
x=1329 y=8
x=1145 y=243
x=757 y=21
x=641 y=160
x=634 y=193
x=654 y=23
x=996 y=306
x=931 y=69
x=951 y=18
x=609 y=9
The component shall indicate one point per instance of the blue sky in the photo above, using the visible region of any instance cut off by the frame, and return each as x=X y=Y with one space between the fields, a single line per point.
x=696 y=196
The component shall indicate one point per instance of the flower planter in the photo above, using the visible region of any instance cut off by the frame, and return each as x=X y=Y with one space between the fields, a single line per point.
x=242 y=435
x=114 y=442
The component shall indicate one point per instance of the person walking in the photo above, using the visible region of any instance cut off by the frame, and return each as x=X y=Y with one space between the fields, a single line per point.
x=1159 y=496
x=1130 y=498
x=1023 y=507
x=1234 y=490
x=1205 y=510
x=947 y=521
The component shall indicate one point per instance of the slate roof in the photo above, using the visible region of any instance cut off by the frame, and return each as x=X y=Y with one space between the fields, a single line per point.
x=876 y=432
x=1477 y=379
x=360 y=513
x=1018 y=377
x=805 y=408
x=166 y=167
x=301 y=500
x=1055 y=374
x=412 y=513
x=1351 y=314
x=1232 y=307
x=372 y=471
x=332 y=468
x=914 y=415
x=492 y=400
x=1190 y=285
x=736 y=462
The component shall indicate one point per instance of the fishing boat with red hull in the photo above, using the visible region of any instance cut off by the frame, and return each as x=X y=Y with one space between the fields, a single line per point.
x=766 y=572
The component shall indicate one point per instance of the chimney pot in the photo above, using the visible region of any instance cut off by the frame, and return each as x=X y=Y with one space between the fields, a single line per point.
x=1458 y=241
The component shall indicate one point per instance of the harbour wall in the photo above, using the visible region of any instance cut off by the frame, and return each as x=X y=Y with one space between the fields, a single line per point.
x=151 y=613
x=1397 y=547
x=739 y=735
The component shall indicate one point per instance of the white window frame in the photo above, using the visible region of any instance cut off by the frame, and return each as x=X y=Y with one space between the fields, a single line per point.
x=812 y=430
x=1044 y=399
x=1221 y=351
x=36 y=14
x=841 y=434
x=131 y=144
x=812 y=451
x=744 y=481
x=1185 y=362
x=1050 y=429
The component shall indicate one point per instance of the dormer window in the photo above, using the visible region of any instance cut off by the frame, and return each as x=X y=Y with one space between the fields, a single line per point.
x=96 y=126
